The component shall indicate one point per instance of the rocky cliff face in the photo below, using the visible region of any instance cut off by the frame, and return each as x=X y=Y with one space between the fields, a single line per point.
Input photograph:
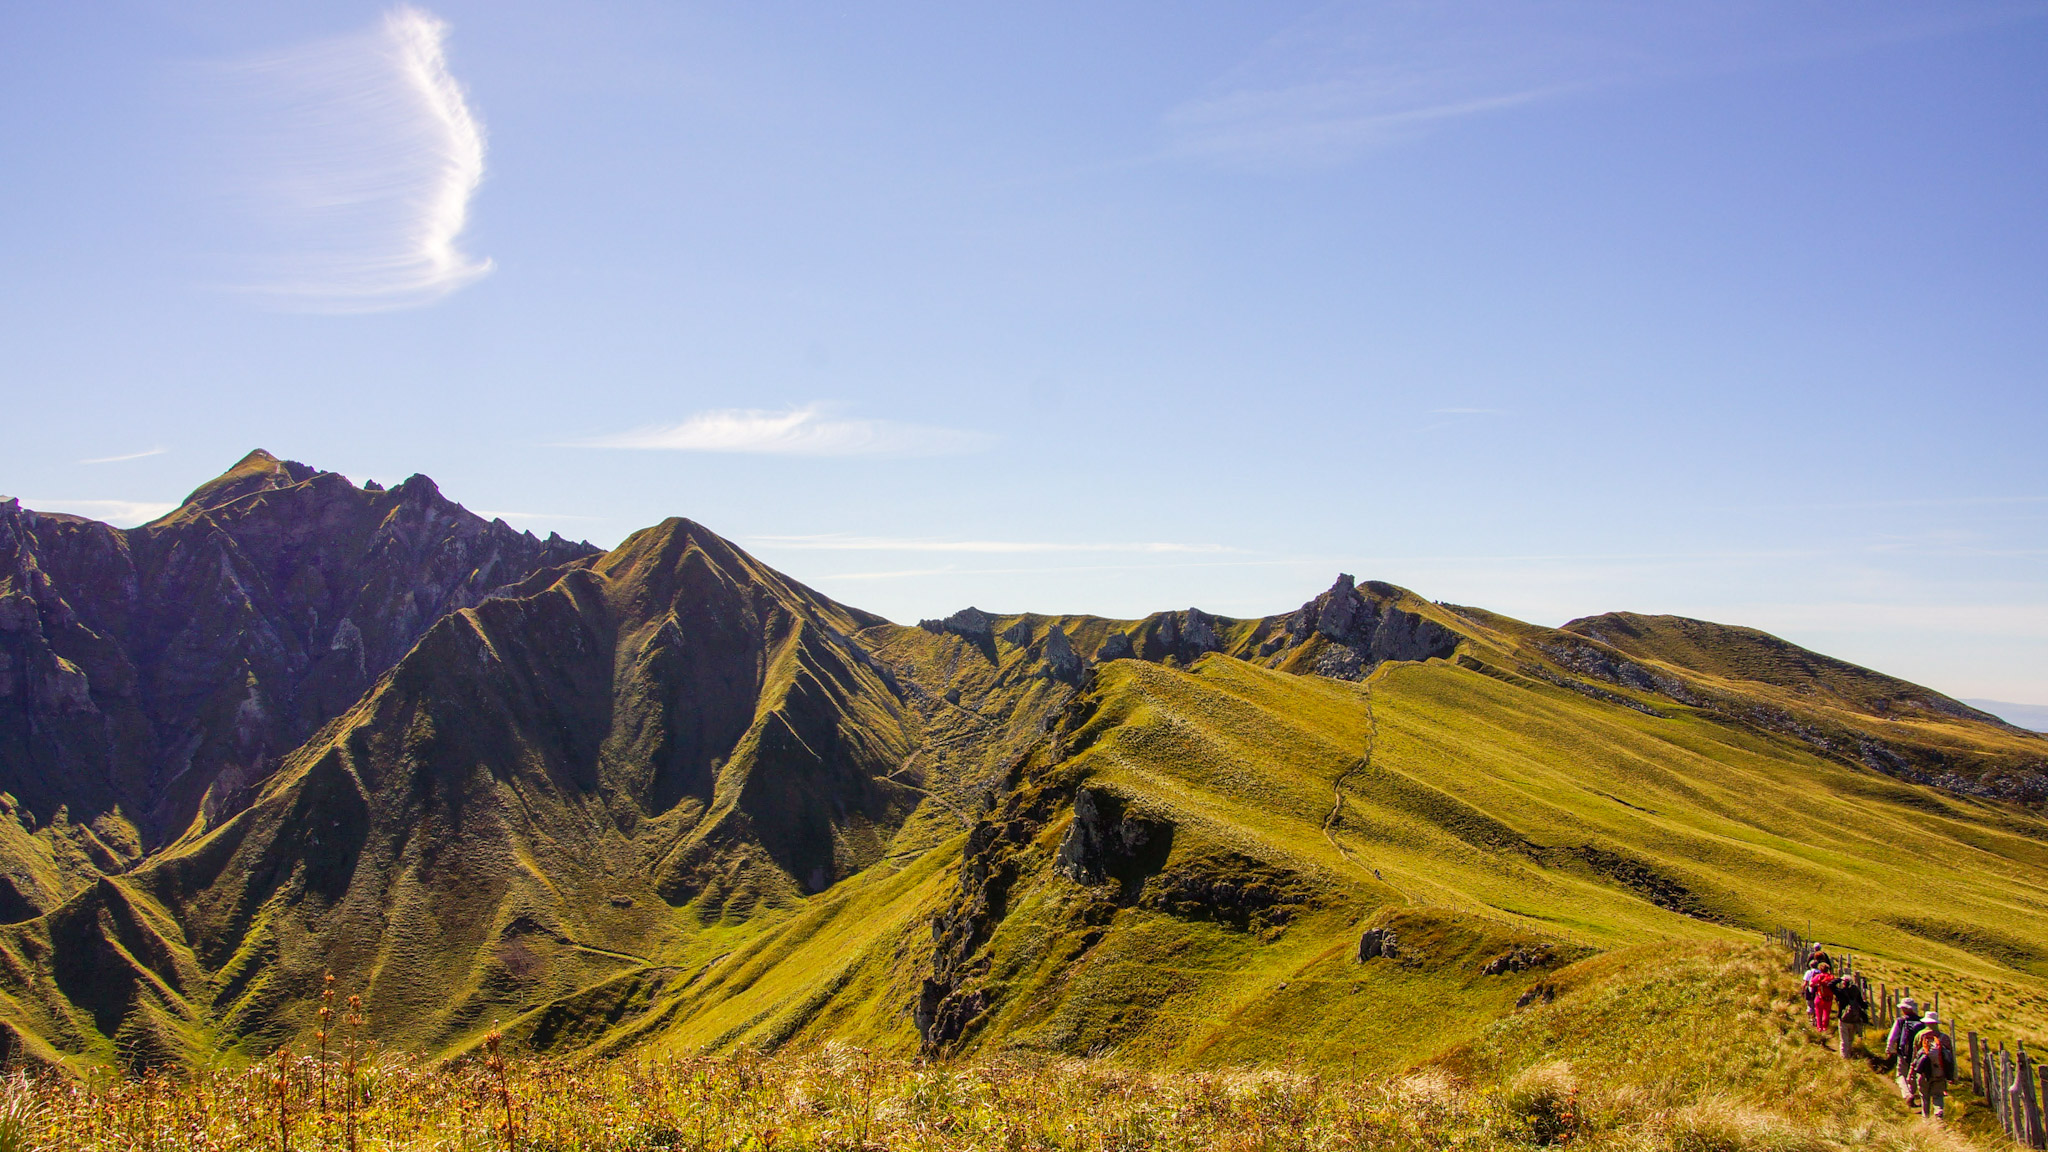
x=1348 y=631
x=152 y=677
x=512 y=813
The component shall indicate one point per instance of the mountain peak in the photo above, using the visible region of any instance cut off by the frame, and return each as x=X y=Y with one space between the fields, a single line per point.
x=252 y=473
x=419 y=486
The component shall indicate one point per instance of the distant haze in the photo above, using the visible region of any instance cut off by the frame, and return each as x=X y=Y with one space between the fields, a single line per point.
x=2034 y=716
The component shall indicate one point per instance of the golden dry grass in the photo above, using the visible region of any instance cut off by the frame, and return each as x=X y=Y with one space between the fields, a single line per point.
x=1695 y=1048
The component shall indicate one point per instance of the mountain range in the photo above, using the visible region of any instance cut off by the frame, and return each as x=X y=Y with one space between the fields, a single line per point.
x=664 y=797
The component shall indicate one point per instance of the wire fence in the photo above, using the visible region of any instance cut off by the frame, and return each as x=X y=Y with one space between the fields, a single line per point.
x=2010 y=1083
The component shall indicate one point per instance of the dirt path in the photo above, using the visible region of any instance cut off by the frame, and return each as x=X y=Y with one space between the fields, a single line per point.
x=1372 y=736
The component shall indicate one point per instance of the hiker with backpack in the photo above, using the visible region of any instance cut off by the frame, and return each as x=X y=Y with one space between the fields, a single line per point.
x=1852 y=1012
x=1898 y=1045
x=1820 y=995
x=1934 y=1065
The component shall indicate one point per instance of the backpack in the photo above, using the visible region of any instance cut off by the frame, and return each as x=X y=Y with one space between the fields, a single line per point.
x=1937 y=1056
x=1909 y=1033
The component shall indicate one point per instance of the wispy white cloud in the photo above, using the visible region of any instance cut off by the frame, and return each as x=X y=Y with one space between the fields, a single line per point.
x=1357 y=75
x=128 y=456
x=355 y=159
x=916 y=573
x=806 y=431
x=120 y=513
x=837 y=542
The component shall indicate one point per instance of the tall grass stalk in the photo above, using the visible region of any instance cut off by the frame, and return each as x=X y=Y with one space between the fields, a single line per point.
x=845 y=1099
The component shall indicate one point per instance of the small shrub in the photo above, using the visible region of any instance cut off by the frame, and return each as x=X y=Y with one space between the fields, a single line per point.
x=1543 y=1102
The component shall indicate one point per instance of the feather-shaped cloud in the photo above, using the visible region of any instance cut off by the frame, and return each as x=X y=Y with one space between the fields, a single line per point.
x=356 y=160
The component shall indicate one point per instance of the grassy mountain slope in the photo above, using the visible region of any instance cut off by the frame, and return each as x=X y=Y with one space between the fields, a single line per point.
x=1171 y=877
x=548 y=790
x=1843 y=711
x=668 y=797
x=1501 y=817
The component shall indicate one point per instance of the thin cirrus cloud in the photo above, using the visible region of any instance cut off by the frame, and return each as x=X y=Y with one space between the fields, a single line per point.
x=1360 y=75
x=805 y=431
x=350 y=166
x=839 y=542
x=142 y=455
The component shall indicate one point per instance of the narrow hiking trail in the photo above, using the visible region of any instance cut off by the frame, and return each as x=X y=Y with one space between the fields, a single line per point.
x=1372 y=737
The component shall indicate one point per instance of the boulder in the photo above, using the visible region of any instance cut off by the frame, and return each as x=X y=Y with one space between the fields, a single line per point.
x=1378 y=942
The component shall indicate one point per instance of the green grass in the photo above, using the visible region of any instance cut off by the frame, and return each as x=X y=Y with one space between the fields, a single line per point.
x=1509 y=814
x=1670 y=1047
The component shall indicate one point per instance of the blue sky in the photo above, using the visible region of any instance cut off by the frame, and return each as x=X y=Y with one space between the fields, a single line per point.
x=1729 y=309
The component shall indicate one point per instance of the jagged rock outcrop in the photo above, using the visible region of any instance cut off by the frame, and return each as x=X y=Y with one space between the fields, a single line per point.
x=1179 y=636
x=154 y=675
x=970 y=624
x=1345 y=633
x=1109 y=841
x=1116 y=647
x=1520 y=960
x=1602 y=663
x=1061 y=661
x=1018 y=634
x=953 y=996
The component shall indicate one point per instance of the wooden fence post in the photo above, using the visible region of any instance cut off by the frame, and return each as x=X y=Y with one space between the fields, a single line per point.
x=2005 y=1079
x=2041 y=1138
x=2012 y=1111
x=1998 y=1100
x=1976 y=1069
x=1991 y=1086
x=2016 y=1104
x=2035 y=1136
x=2005 y=1089
x=2026 y=1115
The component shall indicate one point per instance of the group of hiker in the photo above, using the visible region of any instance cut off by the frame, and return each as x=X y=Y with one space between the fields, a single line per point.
x=1920 y=1054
